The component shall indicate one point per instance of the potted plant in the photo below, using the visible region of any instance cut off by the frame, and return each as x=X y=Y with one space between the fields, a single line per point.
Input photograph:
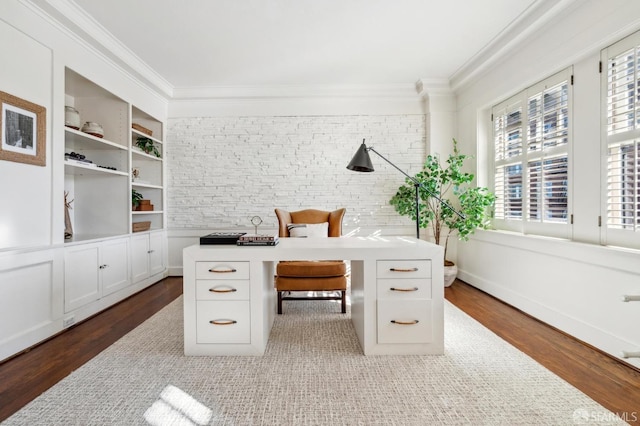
x=453 y=186
x=135 y=199
x=147 y=146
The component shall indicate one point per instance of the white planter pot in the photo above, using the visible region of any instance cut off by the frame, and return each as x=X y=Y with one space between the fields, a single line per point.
x=450 y=273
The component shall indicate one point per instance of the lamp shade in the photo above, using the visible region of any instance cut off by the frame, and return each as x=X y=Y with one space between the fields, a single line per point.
x=361 y=162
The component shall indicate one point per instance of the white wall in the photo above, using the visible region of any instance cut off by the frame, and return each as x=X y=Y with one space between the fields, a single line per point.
x=25 y=202
x=573 y=285
x=224 y=170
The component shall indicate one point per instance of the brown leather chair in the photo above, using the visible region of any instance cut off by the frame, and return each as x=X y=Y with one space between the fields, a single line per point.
x=319 y=277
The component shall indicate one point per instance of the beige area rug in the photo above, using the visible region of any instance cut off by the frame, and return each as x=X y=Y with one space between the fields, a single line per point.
x=313 y=373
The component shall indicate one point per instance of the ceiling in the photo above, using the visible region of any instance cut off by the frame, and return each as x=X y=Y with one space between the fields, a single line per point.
x=275 y=43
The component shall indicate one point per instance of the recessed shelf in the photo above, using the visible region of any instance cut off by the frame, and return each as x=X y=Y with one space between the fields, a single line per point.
x=138 y=133
x=140 y=154
x=81 y=169
x=75 y=139
x=145 y=185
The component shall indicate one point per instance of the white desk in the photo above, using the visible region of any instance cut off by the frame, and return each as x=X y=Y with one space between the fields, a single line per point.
x=397 y=294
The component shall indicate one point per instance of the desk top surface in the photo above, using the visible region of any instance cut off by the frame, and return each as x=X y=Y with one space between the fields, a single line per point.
x=322 y=248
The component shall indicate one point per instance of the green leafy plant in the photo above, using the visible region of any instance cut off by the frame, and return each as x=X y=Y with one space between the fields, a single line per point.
x=135 y=198
x=452 y=185
x=147 y=146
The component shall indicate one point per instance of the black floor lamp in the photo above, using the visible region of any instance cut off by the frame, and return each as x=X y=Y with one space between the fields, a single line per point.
x=361 y=162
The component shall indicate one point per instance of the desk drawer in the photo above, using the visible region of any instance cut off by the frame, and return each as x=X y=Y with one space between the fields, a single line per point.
x=402 y=269
x=222 y=270
x=222 y=289
x=404 y=321
x=398 y=289
x=223 y=322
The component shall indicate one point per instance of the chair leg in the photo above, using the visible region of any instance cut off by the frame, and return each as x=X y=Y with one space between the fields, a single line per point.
x=344 y=301
x=279 y=303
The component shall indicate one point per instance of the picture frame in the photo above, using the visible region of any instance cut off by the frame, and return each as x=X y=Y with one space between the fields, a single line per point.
x=23 y=126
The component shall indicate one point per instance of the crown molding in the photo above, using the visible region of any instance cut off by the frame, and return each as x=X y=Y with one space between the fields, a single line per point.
x=295 y=106
x=296 y=100
x=74 y=21
x=428 y=87
x=536 y=16
x=394 y=91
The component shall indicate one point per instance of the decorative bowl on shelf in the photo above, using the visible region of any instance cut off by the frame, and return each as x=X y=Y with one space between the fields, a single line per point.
x=93 y=129
x=71 y=117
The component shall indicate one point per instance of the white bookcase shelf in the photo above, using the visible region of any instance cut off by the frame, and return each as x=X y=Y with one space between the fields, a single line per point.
x=101 y=189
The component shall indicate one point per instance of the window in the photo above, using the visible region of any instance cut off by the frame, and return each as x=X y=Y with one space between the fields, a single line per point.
x=621 y=137
x=531 y=134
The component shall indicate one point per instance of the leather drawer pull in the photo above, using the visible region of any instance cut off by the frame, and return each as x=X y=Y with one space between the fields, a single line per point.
x=222 y=271
x=403 y=289
x=223 y=322
x=405 y=322
x=403 y=269
x=222 y=290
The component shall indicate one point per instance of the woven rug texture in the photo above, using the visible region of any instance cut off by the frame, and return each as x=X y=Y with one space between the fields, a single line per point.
x=313 y=373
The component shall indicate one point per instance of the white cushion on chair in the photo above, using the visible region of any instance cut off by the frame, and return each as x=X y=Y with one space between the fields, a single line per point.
x=308 y=230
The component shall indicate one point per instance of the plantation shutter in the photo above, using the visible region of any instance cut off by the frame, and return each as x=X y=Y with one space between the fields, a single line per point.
x=548 y=174
x=508 y=141
x=622 y=138
x=531 y=135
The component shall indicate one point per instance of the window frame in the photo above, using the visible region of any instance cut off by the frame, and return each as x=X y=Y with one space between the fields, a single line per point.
x=524 y=224
x=609 y=234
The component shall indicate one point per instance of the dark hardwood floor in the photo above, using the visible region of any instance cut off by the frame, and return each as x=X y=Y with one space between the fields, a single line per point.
x=27 y=375
x=613 y=384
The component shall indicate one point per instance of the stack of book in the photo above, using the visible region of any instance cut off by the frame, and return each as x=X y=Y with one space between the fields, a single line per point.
x=258 y=240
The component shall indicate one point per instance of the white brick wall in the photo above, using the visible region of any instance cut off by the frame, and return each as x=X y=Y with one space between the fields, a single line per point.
x=224 y=170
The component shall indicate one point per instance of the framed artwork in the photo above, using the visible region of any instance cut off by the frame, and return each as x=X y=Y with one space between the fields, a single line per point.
x=23 y=131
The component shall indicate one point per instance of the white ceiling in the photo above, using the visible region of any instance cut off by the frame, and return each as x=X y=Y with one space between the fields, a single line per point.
x=225 y=46
x=272 y=43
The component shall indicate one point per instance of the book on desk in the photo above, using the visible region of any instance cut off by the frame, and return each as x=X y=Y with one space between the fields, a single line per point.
x=258 y=240
x=221 y=238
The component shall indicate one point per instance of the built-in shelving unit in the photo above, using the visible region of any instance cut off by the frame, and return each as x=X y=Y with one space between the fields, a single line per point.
x=149 y=168
x=101 y=186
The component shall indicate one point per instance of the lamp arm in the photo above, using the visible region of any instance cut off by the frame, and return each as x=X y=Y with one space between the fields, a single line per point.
x=417 y=184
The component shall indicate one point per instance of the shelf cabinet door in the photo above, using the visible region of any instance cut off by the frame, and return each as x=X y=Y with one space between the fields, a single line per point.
x=114 y=265
x=92 y=271
x=140 y=257
x=147 y=255
x=81 y=276
x=156 y=253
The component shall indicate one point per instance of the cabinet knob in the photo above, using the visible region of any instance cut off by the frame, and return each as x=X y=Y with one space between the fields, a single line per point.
x=630 y=298
x=150 y=251
x=403 y=289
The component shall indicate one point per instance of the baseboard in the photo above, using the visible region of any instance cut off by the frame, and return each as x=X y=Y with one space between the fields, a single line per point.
x=175 y=271
x=575 y=327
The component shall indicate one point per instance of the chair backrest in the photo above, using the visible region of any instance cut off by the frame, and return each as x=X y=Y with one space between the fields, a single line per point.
x=334 y=219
